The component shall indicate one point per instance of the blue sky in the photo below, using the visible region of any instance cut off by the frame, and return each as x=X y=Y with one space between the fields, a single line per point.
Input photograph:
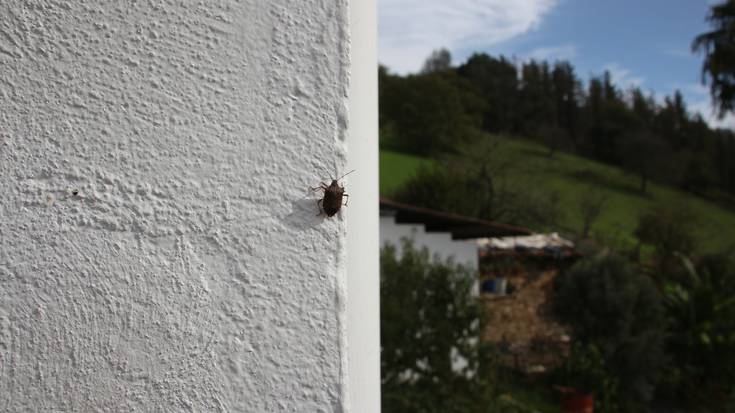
x=644 y=43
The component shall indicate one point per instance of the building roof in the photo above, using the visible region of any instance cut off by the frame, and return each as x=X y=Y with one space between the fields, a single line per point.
x=549 y=246
x=461 y=227
x=535 y=241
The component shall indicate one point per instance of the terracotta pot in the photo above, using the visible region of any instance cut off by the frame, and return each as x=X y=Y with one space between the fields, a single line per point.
x=578 y=403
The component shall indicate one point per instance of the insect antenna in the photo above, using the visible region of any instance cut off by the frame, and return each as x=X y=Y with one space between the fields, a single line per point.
x=345 y=175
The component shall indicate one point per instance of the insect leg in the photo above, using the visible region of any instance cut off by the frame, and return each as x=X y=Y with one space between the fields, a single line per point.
x=347 y=200
x=321 y=186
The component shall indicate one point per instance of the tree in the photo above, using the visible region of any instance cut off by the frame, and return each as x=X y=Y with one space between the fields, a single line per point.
x=669 y=229
x=724 y=153
x=718 y=47
x=389 y=100
x=431 y=353
x=672 y=121
x=567 y=94
x=429 y=114
x=438 y=61
x=590 y=208
x=645 y=155
x=536 y=97
x=644 y=107
x=496 y=82
x=553 y=137
x=609 y=305
x=698 y=174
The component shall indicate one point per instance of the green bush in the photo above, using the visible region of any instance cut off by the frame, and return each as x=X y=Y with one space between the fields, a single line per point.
x=609 y=305
x=429 y=320
x=670 y=231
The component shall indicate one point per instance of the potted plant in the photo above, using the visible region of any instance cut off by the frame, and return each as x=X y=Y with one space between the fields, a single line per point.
x=582 y=378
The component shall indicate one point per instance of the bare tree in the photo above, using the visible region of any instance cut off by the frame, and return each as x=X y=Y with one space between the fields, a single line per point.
x=590 y=207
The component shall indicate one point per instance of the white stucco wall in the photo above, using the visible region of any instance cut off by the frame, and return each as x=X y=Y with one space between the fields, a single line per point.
x=190 y=273
x=363 y=253
x=438 y=243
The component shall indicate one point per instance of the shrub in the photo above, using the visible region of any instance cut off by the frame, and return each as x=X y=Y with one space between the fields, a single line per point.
x=609 y=305
x=669 y=230
x=431 y=355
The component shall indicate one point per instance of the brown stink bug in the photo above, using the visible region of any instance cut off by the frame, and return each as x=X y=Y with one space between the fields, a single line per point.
x=331 y=203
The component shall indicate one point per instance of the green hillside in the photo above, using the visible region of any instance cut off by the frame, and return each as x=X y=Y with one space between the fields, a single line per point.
x=572 y=176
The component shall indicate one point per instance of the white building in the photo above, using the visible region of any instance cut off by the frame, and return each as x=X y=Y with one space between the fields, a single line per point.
x=443 y=234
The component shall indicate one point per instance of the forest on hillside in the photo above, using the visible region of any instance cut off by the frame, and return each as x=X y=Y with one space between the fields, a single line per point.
x=443 y=107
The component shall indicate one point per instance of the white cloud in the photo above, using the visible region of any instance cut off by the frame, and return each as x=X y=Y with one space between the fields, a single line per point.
x=709 y=114
x=622 y=77
x=553 y=53
x=410 y=29
x=695 y=88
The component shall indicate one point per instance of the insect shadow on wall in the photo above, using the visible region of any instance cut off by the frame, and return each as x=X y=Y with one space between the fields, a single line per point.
x=331 y=202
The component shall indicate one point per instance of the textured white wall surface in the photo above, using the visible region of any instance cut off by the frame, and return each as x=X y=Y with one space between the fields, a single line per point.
x=190 y=271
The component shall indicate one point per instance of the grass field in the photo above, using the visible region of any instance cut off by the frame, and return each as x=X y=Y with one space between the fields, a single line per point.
x=572 y=177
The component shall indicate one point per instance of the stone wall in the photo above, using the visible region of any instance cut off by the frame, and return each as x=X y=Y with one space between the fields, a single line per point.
x=521 y=323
